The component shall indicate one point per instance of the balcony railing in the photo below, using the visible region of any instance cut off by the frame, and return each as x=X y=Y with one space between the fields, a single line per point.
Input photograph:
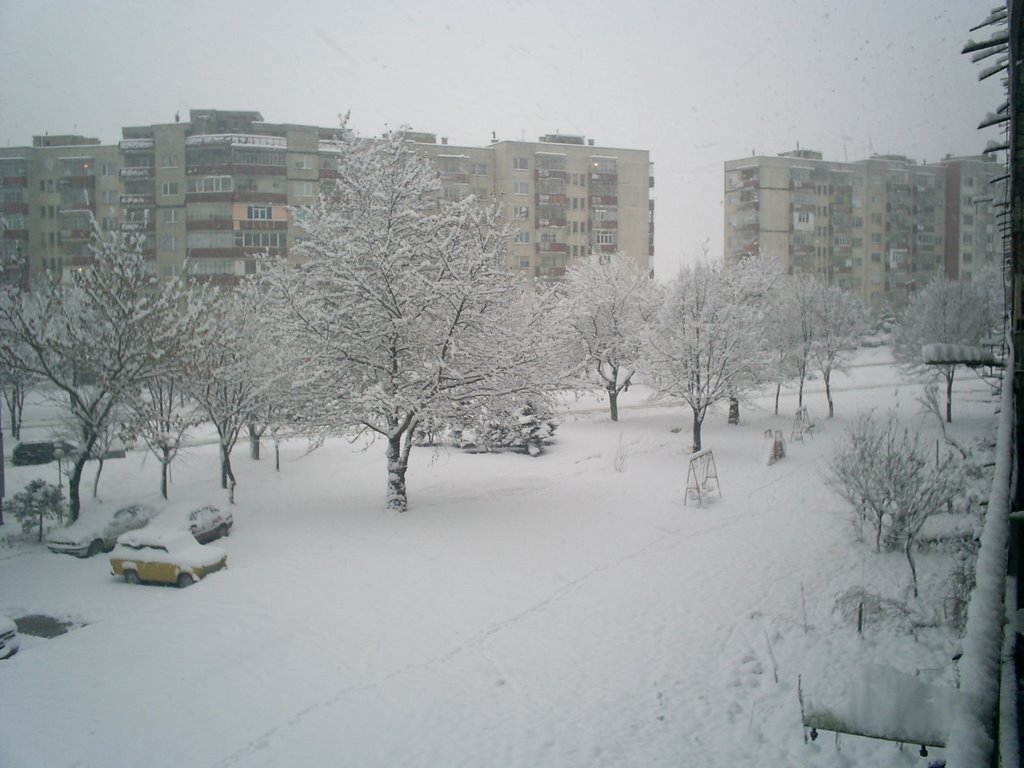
x=137 y=172
x=135 y=201
x=136 y=145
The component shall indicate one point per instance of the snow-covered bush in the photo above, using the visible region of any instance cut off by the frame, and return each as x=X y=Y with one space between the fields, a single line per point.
x=33 y=507
x=526 y=428
x=891 y=481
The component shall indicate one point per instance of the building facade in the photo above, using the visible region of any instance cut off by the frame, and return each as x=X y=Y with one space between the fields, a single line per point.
x=216 y=190
x=568 y=198
x=881 y=228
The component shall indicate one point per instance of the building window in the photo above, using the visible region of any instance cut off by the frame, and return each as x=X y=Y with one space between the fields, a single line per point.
x=521 y=188
x=479 y=169
x=260 y=212
x=170 y=188
x=259 y=239
x=169 y=161
x=303 y=163
x=108 y=169
x=302 y=188
x=604 y=238
x=169 y=244
x=521 y=237
x=170 y=215
x=522 y=212
x=876 y=238
x=209 y=184
x=521 y=163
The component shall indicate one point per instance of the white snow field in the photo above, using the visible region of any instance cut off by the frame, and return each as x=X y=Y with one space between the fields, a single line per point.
x=524 y=613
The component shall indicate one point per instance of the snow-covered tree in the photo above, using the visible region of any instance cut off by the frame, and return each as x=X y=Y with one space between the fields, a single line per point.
x=944 y=312
x=223 y=375
x=95 y=339
x=403 y=310
x=608 y=303
x=161 y=416
x=707 y=345
x=840 y=321
x=804 y=295
x=15 y=383
x=887 y=475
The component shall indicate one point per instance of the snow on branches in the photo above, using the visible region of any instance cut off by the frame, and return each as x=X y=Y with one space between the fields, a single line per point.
x=402 y=311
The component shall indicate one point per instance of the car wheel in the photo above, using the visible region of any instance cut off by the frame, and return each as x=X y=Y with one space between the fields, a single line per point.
x=132 y=577
x=224 y=530
x=185 y=579
x=94 y=548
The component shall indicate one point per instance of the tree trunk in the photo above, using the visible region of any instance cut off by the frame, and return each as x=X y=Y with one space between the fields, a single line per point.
x=778 y=391
x=949 y=396
x=165 y=465
x=96 y=479
x=226 y=474
x=908 y=549
x=734 y=410
x=800 y=394
x=697 y=421
x=398 y=464
x=828 y=393
x=613 y=402
x=254 y=442
x=75 y=483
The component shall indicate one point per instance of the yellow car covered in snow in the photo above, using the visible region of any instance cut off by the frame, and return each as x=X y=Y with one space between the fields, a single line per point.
x=164 y=556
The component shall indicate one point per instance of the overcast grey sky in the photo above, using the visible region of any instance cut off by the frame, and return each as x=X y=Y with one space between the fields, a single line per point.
x=696 y=83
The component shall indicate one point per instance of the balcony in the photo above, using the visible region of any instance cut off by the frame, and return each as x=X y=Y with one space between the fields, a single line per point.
x=552 y=248
x=138 y=226
x=545 y=198
x=14 y=181
x=209 y=225
x=136 y=145
x=15 y=234
x=555 y=223
x=604 y=178
x=138 y=201
x=453 y=177
x=551 y=173
x=75 y=235
x=137 y=172
x=14 y=208
x=264 y=225
x=604 y=201
x=236 y=140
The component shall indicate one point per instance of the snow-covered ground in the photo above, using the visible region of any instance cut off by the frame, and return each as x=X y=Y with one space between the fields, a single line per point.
x=524 y=613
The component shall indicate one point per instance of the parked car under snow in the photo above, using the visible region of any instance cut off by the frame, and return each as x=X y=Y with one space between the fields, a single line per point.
x=97 y=529
x=205 y=522
x=164 y=556
x=9 y=641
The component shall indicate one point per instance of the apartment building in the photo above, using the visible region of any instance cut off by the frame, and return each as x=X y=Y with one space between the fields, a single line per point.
x=49 y=194
x=567 y=197
x=881 y=227
x=217 y=189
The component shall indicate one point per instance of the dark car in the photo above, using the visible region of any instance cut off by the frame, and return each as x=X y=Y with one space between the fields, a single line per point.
x=38 y=453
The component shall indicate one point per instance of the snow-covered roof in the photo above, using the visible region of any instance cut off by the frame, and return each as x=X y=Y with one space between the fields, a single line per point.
x=956 y=354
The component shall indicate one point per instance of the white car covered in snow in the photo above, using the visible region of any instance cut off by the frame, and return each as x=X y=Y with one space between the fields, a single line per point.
x=97 y=528
x=9 y=642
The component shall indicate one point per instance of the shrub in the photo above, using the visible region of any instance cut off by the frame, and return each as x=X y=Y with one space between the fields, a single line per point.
x=38 y=503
